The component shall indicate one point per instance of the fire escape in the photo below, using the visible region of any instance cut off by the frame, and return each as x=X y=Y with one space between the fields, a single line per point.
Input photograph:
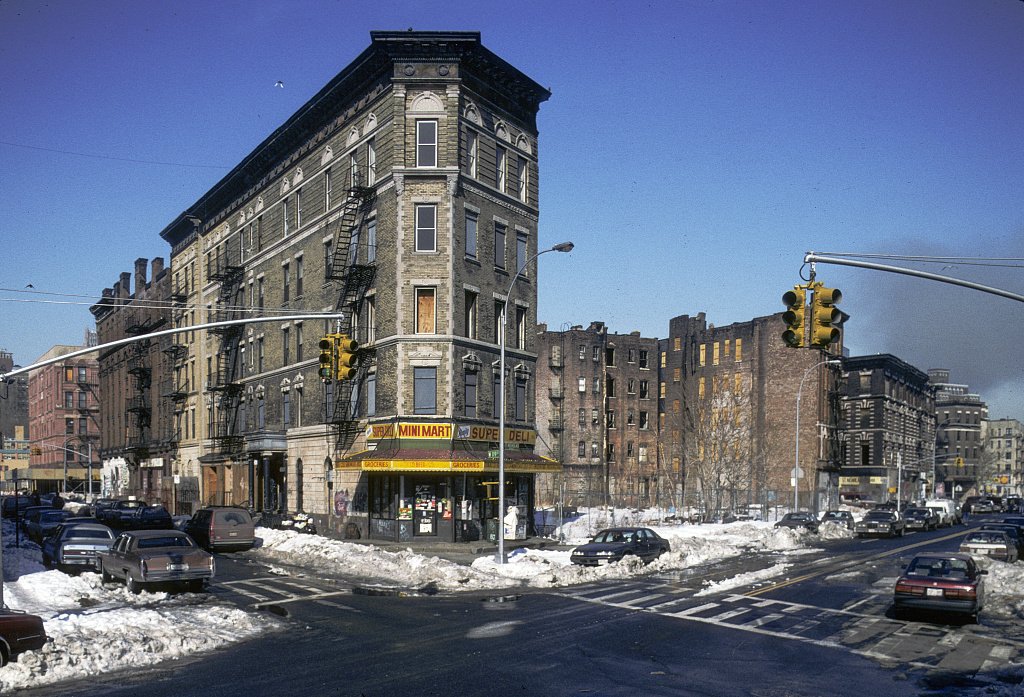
x=137 y=364
x=174 y=386
x=225 y=380
x=353 y=265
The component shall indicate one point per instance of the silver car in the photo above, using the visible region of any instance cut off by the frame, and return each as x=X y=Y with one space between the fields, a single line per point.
x=144 y=557
x=77 y=546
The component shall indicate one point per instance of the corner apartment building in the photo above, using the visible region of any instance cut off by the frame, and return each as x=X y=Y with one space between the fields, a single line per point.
x=139 y=440
x=887 y=430
x=728 y=399
x=961 y=463
x=402 y=199
x=63 y=412
x=13 y=401
x=1004 y=448
x=597 y=415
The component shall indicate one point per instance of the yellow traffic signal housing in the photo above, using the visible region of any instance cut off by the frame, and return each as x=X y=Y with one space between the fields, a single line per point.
x=346 y=357
x=326 y=371
x=824 y=316
x=794 y=316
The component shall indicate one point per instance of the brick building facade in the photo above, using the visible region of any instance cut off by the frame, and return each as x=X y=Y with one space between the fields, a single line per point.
x=887 y=430
x=597 y=412
x=1004 y=446
x=403 y=197
x=63 y=423
x=961 y=462
x=139 y=439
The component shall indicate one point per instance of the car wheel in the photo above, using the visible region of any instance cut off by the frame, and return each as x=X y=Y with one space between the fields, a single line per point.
x=105 y=576
x=134 y=586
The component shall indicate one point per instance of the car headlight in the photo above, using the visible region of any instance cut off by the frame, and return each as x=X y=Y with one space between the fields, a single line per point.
x=606 y=553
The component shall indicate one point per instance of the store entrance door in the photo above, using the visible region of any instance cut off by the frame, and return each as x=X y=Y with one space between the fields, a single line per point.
x=425 y=509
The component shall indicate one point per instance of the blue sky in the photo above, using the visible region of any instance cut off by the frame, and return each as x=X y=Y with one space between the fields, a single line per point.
x=693 y=151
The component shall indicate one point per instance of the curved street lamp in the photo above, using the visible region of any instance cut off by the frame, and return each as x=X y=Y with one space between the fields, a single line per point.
x=563 y=247
x=796 y=468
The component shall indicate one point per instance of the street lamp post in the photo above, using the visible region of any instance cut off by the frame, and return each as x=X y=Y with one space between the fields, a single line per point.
x=796 y=467
x=563 y=247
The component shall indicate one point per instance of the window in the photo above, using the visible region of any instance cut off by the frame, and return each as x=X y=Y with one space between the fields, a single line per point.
x=327 y=190
x=675 y=344
x=471 y=228
x=284 y=208
x=643 y=359
x=497 y=394
x=371 y=394
x=424 y=391
x=596 y=382
x=328 y=258
x=631 y=386
x=521 y=327
x=371 y=240
x=644 y=391
x=715 y=354
x=470 y=314
x=353 y=169
x=69 y=425
x=470 y=390
x=299 y=272
x=69 y=374
x=286 y=404
x=703 y=354
x=425 y=310
x=426 y=228
x=596 y=353
x=644 y=421
x=739 y=350
x=583 y=384
x=631 y=355
x=259 y=292
x=501 y=162
x=520 y=399
x=595 y=417
x=524 y=180
x=499 y=245
x=611 y=418
x=370 y=317
x=582 y=417
x=286 y=346
x=298 y=208
x=521 y=253
x=472 y=153
x=371 y=162
x=662 y=390
x=499 y=322
x=259 y=356
x=610 y=386
x=630 y=418
x=611 y=452
x=426 y=143
x=286 y=280
x=83 y=426
x=298 y=344
x=609 y=357
x=583 y=352
x=82 y=400
x=260 y=415
x=595 y=449
x=676 y=374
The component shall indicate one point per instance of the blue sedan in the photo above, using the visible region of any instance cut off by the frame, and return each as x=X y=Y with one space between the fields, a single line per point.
x=615 y=544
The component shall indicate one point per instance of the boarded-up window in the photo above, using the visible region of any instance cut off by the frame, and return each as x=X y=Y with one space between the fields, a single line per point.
x=424 y=310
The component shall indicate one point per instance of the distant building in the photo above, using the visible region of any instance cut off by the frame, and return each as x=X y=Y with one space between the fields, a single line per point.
x=961 y=463
x=1004 y=449
x=136 y=381
x=13 y=399
x=63 y=423
x=597 y=410
x=14 y=459
x=887 y=430
x=728 y=401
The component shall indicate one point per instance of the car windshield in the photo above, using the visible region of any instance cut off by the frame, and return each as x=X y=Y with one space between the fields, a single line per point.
x=938 y=568
x=878 y=515
x=171 y=541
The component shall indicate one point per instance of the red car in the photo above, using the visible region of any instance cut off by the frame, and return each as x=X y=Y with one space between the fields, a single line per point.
x=942 y=582
x=19 y=632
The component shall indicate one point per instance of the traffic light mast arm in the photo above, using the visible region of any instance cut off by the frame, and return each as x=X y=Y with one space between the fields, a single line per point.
x=811 y=258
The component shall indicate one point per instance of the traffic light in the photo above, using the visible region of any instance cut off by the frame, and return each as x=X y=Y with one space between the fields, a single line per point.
x=326 y=371
x=794 y=316
x=346 y=357
x=824 y=316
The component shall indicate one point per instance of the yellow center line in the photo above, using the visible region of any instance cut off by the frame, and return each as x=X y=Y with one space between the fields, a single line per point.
x=834 y=567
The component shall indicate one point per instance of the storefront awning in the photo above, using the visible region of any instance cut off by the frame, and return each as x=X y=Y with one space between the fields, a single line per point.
x=438 y=461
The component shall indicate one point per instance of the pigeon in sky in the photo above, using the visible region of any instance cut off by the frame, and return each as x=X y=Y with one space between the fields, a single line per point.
x=278 y=84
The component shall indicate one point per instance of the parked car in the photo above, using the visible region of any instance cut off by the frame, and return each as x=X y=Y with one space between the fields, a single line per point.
x=97 y=505
x=117 y=514
x=32 y=514
x=978 y=504
x=990 y=543
x=844 y=518
x=144 y=557
x=148 y=518
x=1014 y=532
x=1013 y=520
x=947 y=510
x=76 y=546
x=797 y=520
x=940 y=581
x=1013 y=504
x=615 y=544
x=19 y=632
x=15 y=505
x=881 y=522
x=45 y=523
x=921 y=518
x=222 y=528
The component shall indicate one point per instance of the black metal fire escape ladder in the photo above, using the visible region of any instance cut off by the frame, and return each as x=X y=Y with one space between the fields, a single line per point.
x=225 y=381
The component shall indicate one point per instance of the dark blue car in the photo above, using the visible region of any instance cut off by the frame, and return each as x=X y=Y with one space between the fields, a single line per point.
x=615 y=544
